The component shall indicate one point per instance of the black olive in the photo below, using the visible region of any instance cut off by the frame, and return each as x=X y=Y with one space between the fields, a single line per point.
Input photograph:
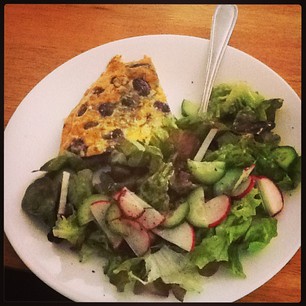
x=128 y=101
x=164 y=107
x=141 y=86
x=82 y=110
x=90 y=124
x=97 y=90
x=106 y=109
x=116 y=133
x=78 y=147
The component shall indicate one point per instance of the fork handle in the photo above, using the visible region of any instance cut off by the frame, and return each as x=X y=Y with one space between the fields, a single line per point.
x=224 y=20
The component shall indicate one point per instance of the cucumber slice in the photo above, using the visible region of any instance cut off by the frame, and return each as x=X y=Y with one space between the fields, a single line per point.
x=189 y=108
x=84 y=213
x=196 y=202
x=177 y=216
x=285 y=156
x=113 y=220
x=226 y=184
x=207 y=172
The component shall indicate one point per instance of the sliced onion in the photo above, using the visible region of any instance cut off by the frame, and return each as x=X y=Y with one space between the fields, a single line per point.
x=64 y=192
x=207 y=141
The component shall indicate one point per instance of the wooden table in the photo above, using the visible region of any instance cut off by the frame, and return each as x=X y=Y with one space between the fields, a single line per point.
x=39 y=38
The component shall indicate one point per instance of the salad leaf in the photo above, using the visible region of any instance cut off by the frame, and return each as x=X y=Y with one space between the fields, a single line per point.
x=95 y=243
x=234 y=227
x=160 y=136
x=220 y=245
x=246 y=207
x=240 y=154
x=154 y=189
x=134 y=154
x=165 y=264
x=213 y=248
x=267 y=109
x=63 y=161
x=185 y=143
x=228 y=99
x=246 y=121
x=173 y=268
x=234 y=260
x=157 y=287
x=260 y=233
x=80 y=187
x=119 y=275
x=69 y=229
x=41 y=199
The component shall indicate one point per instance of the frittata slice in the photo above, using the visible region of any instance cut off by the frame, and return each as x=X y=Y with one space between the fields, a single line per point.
x=126 y=101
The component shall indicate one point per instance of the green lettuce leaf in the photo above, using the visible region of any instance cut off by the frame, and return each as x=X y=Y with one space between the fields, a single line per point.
x=260 y=233
x=41 y=199
x=173 y=268
x=160 y=136
x=164 y=266
x=118 y=270
x=246 y=207
x=134 y=154
x=234 y=227
x=69 y=229
x=95 y=243
x=67 y=160
x=228 y=99
x=154 y=189
x=239 y=154
x=235 y=264
x=213 y=248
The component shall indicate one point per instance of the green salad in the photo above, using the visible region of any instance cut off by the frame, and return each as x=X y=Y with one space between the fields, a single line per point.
x=167 y=214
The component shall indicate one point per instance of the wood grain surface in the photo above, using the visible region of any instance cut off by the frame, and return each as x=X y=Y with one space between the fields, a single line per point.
x=39 y=38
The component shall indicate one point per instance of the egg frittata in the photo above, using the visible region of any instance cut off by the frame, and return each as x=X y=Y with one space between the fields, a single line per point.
x=125 y=102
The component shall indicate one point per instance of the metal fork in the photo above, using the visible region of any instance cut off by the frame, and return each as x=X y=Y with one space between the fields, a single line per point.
x=224 y=20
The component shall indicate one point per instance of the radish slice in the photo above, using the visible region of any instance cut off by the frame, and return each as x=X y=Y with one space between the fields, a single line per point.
x=182 y=235
x=138 y=238
x=131 y=205
x=244 y=188
x=217 y=209
x=208 y=139
x=272 y=197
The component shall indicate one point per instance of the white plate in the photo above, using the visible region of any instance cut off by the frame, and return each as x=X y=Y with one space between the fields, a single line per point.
x=32 y=137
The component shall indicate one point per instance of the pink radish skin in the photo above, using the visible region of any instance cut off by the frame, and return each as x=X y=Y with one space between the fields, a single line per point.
x=244 y=188
x=119 y=193
x=134 y=207
x=151 y=218
x=129 y=204
x=217 y=210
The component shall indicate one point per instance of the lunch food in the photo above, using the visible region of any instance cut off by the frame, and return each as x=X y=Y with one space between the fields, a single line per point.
x=167 y=210
x=126 y=101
